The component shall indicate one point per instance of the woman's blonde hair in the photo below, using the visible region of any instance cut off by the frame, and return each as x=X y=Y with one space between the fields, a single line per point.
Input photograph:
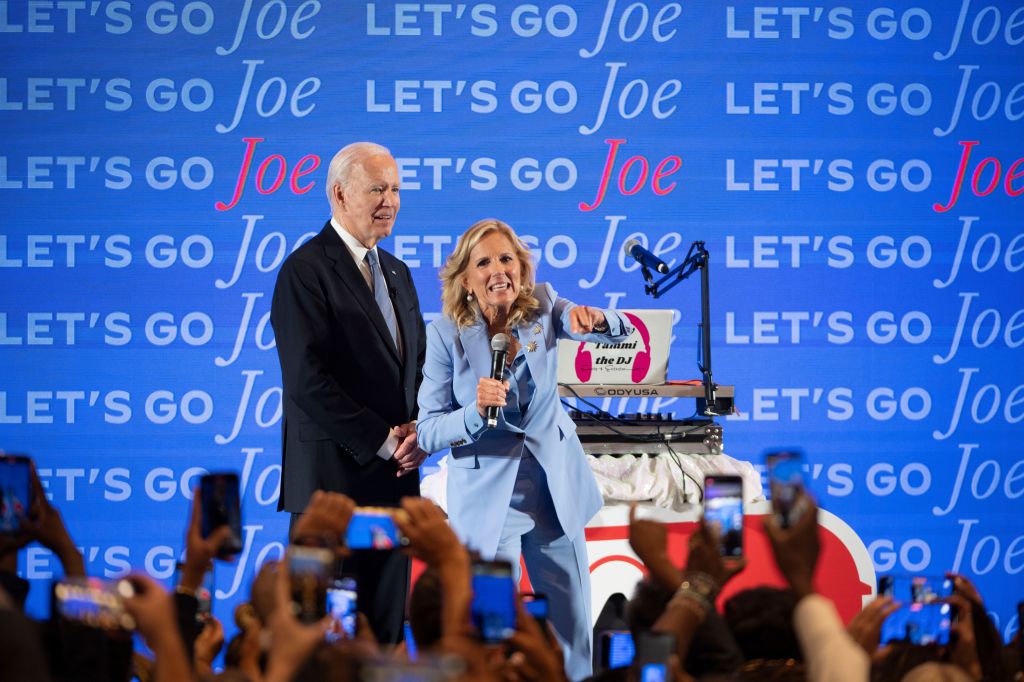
x=453 y=294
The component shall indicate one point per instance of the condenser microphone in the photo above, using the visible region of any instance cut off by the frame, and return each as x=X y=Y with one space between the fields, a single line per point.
x=644 y=257
x=499 y=353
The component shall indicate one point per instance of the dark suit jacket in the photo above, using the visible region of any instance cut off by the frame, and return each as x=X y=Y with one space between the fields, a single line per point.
x=344 y=384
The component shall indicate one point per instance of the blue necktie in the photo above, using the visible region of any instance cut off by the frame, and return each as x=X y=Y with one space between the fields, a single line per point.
x=380 y=294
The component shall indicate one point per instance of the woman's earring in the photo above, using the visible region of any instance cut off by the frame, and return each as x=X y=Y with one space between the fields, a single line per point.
x=469 y=296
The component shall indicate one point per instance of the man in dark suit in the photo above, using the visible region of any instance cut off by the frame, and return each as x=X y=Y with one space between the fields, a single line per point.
x=351 y=342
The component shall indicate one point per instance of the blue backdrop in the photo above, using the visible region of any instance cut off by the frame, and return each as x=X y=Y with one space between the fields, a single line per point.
x=855 y=170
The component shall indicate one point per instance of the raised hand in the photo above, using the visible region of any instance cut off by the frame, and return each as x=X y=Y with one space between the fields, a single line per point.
x=796 y=549
x=583 y=319
x=199 y=551
x=866 y=626
x=325 y=519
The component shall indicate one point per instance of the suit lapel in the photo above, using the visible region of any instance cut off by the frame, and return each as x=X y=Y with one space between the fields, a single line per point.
x=347 y=271
x=537 y=359
x=478 y=347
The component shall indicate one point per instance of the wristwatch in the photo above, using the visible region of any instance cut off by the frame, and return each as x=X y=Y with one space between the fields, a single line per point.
x=699 y=587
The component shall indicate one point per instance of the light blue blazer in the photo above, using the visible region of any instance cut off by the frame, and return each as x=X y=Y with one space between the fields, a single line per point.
x=484 y=462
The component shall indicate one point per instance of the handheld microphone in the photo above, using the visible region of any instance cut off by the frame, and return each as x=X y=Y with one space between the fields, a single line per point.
x=499 y=352
x=644 y=257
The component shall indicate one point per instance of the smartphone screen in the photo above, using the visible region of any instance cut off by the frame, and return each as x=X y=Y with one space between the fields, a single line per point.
x=652 y=652
x=537 y=606
x=342 y=605
x=723 y=511
x=221 y=506
x=373 y=528
x=925 y=590
x=919 y=624
x=923 y=617
x=92 y=602
x=15 y=491
x=493 y=609
x=617 y=649
x=310 y=571
x=785 y=483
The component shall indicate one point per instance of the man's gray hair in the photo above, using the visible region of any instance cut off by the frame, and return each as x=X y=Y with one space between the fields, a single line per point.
x=341 y=165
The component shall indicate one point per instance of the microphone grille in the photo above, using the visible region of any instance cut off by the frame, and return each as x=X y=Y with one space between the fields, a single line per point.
x=500 y=343
x=627 y=248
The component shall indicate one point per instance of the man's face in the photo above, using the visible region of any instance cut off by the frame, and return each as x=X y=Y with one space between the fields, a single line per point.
x=369 y=204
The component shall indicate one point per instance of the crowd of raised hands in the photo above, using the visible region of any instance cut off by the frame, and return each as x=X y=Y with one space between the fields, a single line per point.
x=758 y=634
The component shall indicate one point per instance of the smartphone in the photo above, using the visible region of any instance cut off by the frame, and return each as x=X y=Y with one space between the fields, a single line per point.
x=221 y=506
x=15 y=491
x=923 y=617
x=723 y=511
x=310 y=570
x=617 y=649
x=93 y=602
x=652 y=653
x=786 y=484
x=537 y=606
x=493 y=609
x=374 y=528
x=342 y=599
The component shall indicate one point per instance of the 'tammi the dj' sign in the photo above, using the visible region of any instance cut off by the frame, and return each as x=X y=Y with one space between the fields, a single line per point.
x=641 y=358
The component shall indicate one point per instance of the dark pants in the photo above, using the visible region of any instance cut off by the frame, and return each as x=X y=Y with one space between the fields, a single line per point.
x=382 y=582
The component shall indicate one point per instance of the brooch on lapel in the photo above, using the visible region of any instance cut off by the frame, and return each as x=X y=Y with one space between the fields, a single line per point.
x=537 y=329
x=531 y=346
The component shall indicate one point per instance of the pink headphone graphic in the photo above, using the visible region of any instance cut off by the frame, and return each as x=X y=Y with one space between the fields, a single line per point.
x=641 y=363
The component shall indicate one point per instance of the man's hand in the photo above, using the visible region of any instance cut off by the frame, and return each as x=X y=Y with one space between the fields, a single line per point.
x=208 y=644
x=964 y=651
x=866 y=626
x=705 y=557
x=291 y=641
x=152 y=607
x=325 y=518
x=199 y=551
x=796 y=549
x=45 y=524
x=649 y=539
x=583 y=319
x=965 y=588
x=538 y=655
x=431 y=539
x=408 y=453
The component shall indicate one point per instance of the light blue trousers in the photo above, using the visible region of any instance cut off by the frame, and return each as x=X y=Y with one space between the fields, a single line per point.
x=557 y=566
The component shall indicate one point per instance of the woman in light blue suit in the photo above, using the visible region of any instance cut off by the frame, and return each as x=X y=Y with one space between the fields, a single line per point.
x=524 y=487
